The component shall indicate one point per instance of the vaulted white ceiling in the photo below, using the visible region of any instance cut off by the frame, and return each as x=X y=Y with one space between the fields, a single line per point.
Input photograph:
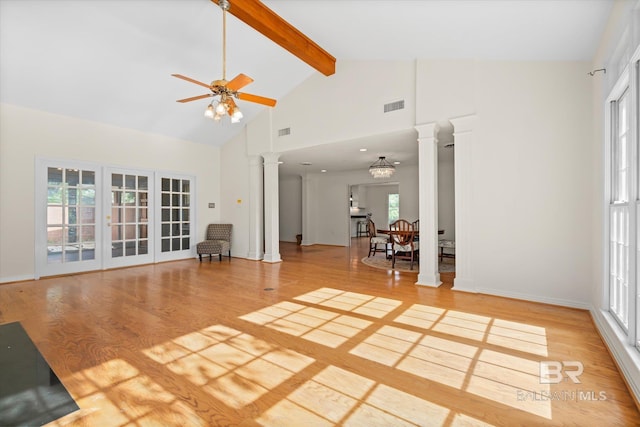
x=110 y=60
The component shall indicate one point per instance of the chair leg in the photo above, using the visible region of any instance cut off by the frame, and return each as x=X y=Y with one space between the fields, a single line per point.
x=210 y=256
x=200 y=256
x=229 y=255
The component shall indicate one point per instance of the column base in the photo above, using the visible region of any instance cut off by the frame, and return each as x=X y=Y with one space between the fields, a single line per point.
x=430 y=280
x=272 y=258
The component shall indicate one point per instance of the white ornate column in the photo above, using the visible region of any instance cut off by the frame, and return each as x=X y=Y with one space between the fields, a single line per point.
x=464 y=140
x=271 y=208
x=256 y=238
x=428 y=204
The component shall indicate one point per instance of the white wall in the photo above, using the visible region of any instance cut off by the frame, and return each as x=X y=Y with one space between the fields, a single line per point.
x=290 y=193
x=346 y=105
x=529 y=173
x=26 y=134
x=378 y=203
x=234 y=198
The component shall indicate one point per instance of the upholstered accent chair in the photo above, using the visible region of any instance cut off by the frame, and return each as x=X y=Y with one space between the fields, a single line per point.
x=403 y=245
x=218 y=241
x=376 y=239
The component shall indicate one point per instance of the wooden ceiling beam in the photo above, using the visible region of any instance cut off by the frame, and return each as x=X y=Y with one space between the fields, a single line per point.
x=258 y=16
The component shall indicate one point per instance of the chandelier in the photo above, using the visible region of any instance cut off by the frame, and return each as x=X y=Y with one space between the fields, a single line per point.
x=381 y=168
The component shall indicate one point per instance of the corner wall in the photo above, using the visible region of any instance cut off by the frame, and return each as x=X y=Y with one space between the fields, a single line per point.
x=26 y=134
x=530 y=165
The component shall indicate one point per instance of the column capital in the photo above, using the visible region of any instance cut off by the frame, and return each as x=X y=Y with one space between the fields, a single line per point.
x=271 y=158
x=463 y=124
x=427 y=130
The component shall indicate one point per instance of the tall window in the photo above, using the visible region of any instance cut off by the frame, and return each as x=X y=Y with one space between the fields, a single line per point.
x=394 y=207
x=620 y=148
x=619 y=213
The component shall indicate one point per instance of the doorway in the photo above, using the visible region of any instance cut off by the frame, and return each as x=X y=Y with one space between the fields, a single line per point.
x=378 y=201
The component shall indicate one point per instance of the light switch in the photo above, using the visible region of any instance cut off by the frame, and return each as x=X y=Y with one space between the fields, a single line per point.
x=212 y=205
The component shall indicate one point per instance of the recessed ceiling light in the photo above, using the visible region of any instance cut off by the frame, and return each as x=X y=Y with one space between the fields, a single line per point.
x=280 y=162
x=323 y=170
x=396 y=163
x=363 y=149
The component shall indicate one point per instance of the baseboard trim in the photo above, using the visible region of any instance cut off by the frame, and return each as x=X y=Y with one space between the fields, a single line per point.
x=16 y=279
x=464 y=285
x=626 y=357
x=529 y=297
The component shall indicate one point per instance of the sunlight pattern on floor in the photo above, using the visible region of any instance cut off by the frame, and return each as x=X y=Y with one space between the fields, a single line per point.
x=438 y=345
x=338 y=397
x=313 y=324
x=125 y=396
x=351 y=301
x=234 y=367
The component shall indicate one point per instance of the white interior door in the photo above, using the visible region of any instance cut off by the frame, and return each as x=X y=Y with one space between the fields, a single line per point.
x=68 y=206
x=92 y=217
x=128 y=221
x=175 y=217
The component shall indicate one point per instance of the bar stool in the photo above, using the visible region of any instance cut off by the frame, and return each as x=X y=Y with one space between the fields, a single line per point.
x=362 y=229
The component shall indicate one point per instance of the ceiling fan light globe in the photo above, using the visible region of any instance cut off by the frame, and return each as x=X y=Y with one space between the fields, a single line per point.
x=221 y=109
x=209 y=112
x=237 y=115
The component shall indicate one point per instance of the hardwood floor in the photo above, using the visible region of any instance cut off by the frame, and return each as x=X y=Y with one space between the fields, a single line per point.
x=319 y=339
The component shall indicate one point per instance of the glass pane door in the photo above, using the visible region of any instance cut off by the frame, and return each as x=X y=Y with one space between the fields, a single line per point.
x=176 y=240
x=67 y=229
x=71 y=215
x=128 y=236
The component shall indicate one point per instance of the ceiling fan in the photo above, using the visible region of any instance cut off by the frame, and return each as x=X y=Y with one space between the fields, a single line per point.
x=226 y=90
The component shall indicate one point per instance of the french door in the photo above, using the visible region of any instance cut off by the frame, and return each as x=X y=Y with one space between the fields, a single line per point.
x=93 y=217
x=67 y=212
x=128 y=222
x=176 y=216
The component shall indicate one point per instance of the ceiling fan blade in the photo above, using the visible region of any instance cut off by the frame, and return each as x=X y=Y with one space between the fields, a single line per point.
x=257 y=99
x=255 y=14
x=195 y=98
x=189 y=79
x=238 y=82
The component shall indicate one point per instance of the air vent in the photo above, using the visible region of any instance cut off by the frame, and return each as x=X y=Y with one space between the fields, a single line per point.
x=284 y=132
x=393 y=106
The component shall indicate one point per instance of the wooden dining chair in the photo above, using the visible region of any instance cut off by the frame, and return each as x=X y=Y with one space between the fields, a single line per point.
x=376 y=239
x=403 y=245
